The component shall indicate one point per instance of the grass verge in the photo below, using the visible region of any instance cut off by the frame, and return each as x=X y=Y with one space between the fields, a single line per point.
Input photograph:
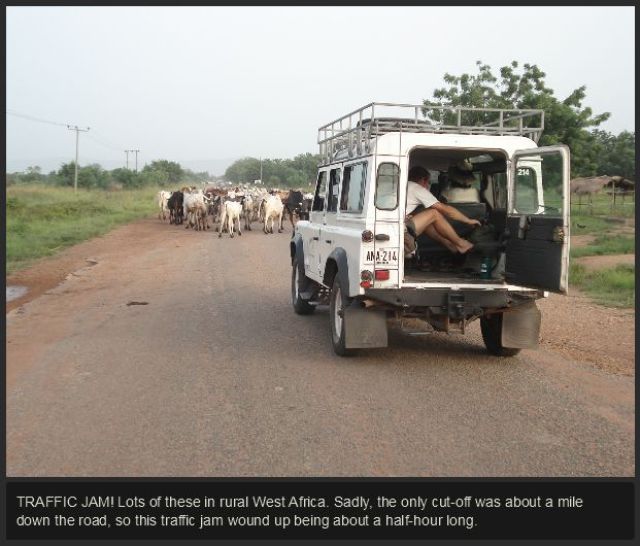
x=605 y=245
x=614 y=287
x=43 y=220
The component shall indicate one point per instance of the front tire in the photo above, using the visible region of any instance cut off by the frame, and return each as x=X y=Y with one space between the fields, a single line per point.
x=491 y=327
x=300 y=306
x=338 y=302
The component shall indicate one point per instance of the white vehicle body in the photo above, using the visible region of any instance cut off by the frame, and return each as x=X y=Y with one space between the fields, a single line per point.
x=357 y=225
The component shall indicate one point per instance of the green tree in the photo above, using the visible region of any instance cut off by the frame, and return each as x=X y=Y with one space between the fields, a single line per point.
x=246 y=169
x=126 y=178
x=93 y=176
x=566 y=121
x=64 y=175
x=163 y=172
x=616 y=154
x=33 y=174
x=90 y=176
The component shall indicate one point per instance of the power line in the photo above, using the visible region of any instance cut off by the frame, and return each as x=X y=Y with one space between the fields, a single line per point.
x=99 y=138
x=102 y=142
x=33 y=118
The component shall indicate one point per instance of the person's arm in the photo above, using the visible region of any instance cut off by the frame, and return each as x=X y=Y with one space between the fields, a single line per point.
x=455 y=214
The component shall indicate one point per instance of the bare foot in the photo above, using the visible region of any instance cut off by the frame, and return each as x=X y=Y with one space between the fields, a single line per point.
x=452 y=248
x=464 y=247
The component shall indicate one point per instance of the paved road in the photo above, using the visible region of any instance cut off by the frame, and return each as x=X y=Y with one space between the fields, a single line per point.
x=216 y=376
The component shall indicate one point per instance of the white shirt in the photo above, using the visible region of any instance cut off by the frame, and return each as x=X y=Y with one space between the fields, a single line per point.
x=418 y=195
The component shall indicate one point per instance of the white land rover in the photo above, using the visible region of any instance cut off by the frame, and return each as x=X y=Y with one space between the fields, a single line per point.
x=350 y=253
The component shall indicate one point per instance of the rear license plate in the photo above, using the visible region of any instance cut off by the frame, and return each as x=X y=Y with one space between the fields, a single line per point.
x=386 y=256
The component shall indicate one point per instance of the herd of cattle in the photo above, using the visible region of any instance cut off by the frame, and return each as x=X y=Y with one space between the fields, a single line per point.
x=230 y=208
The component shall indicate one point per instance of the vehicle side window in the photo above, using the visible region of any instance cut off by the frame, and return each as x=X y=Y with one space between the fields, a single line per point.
x=321 y=191
x=334 y=189
x=387 y=186
x=353 y=184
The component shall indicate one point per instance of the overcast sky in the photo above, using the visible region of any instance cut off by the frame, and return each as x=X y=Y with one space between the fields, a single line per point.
x=196 y=84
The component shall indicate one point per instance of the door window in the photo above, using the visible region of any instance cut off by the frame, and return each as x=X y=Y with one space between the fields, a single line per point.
x=321 y=191
x=538 y=185
x=334 y=190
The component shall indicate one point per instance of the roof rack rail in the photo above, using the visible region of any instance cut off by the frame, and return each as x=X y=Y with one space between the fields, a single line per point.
x=353 y=132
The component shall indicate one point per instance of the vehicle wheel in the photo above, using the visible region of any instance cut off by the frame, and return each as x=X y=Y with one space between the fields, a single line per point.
x=300 y=306
x=337 y=303
x=491 y=327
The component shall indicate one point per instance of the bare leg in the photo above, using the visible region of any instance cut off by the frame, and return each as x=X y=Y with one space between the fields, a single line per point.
x=432 y=232
x=433 y=217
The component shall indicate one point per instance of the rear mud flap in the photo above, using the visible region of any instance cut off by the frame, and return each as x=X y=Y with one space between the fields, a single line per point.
x=364 y=328
x=521 y=327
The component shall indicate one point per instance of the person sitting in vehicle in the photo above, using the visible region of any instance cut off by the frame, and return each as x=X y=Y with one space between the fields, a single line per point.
x=431 y=216
x=460 y=189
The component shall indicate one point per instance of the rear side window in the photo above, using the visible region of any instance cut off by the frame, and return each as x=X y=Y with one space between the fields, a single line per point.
x=387 y=186
x=353 y=184
x=321 y=191
x=334 y=189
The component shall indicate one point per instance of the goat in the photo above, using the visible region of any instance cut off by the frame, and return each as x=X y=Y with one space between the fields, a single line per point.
x=232 y=212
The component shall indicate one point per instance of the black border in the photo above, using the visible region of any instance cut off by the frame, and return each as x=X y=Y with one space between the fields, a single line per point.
x=634 y=480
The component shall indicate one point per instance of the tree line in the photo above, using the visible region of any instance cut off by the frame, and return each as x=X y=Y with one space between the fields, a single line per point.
x=160 y=173
x=299 y=172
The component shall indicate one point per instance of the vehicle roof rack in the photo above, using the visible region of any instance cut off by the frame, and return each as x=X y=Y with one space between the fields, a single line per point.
x=353 y=132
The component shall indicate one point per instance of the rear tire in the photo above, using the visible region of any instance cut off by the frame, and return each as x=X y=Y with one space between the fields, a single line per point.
x=337 y=304
x=300 y=306
x=491 y=327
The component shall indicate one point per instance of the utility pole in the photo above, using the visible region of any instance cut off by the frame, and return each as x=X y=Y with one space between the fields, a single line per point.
x=127 y=152
x=77 y=130
x=261 y=170
x=136 y=151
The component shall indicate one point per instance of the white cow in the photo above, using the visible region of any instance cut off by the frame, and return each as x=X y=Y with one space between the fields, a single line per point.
x=163 y=198
x=232 y=211
x=273 y=209
x=195 y=210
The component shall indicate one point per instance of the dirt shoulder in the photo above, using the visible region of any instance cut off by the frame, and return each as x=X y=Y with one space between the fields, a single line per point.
x=607 y=261
x=581 y=330
x=49 y=272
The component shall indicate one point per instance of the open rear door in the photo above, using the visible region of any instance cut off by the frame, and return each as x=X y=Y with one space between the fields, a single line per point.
x=537 y=252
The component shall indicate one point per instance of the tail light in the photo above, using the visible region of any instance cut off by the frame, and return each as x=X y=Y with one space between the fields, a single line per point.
x=367 y=236
x=365 y=278
x=382 y=274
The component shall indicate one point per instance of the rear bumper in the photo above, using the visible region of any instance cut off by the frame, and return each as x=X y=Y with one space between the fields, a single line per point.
x=443 y=297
